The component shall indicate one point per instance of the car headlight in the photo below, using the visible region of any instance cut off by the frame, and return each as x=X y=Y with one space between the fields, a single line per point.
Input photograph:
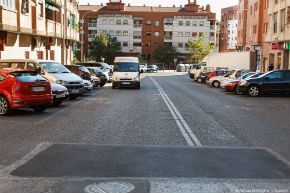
x=59 y=82
x=135 y=79
x=243 y=82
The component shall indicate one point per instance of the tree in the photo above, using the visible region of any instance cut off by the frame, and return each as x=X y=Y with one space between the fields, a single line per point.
x=199 y=48
x=105 y=46
x=165 y=54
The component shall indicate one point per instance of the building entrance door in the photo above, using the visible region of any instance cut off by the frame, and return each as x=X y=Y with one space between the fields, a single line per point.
x=286 y=59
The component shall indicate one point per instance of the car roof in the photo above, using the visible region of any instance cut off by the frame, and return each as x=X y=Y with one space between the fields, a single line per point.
x=9 y=70
x=126 y=59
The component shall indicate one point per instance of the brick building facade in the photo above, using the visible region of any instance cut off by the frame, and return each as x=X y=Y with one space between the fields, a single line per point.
x=141 y=29
x=31 y=29
x=229 y=25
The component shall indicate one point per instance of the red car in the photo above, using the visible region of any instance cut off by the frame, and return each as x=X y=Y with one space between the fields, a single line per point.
x=23 y=89
x=217 y=73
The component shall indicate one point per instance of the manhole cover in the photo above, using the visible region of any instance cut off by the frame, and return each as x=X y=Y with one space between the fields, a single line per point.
x=110 y=187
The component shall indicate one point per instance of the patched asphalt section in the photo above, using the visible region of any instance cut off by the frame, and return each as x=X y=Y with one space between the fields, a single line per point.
x=75 y=160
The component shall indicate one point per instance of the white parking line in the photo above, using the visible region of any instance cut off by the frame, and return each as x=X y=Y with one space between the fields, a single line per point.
x=181 y=123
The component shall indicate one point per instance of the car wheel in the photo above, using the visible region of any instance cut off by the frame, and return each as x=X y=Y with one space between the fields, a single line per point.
x=73 y=97
x=216 y=84
x=4 y=106
x=56 y=103
x=236 y=89
x=254 y=91
x=138 y=86
x=40 y=108
x=102 y=85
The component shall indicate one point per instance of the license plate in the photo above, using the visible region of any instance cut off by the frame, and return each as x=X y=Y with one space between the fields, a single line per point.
x=125 y=82
x=38 y=89
x=75 y=91
x=60 y=96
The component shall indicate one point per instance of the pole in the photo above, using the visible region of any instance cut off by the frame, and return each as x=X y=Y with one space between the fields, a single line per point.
x=64 y=33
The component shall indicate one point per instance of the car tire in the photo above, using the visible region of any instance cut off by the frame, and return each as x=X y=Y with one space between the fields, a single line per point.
x=138 y=86
x=57 y=103
x=236 y=89
x=113 y=86
x=254 y=91
x=102 y=85
x=216 y=84
x=73 y=97
x=40 y=108
x=4 y=106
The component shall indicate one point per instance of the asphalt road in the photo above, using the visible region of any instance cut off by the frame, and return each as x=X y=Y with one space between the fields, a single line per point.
x=172 y=135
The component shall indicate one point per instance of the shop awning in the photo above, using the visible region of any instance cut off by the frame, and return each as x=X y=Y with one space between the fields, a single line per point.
x=49 y=4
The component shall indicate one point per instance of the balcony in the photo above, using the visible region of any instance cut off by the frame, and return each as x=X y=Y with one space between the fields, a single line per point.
x=91 y=37
x=137 y=49
x=167 y=38
x=138 y=26
x=58 y=30
x=92 y=26
x=168 y=27
x=7 y=19
x=50 y=28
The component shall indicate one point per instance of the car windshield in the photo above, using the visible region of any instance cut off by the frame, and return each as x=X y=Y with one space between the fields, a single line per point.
x=54 y=67
x=28 y=77
x=230 y=73
x=126 y=67
x=84 y=69
x=248 y=75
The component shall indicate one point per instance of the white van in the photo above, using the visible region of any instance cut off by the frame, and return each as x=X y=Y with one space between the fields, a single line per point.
x=126 y=72
x=53 y=71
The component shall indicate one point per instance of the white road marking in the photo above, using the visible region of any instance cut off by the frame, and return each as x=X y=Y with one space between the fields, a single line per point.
x=181 y=123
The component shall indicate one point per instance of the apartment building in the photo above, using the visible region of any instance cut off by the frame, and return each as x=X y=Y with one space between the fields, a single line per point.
x=279 y=34
x=141 y=29
x=38 y=29
x=252 y=29
x=229 y=29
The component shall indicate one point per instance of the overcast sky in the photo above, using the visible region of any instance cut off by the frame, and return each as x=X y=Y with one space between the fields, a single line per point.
x=216 y=5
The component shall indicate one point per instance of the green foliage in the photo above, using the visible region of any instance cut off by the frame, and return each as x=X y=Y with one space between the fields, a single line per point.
x=165 y=54
x=199 y=48
x=76 y=27
x=105 y=46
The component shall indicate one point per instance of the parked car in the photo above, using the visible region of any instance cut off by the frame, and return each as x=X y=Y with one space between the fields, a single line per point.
x=216 y=81
x=22 y=89
x=225 y=82
x=51 y=70
x=59 y=93
x=277 y=81
x=142 y=68
x=106 y=68
x=84 y=74
x=96 y=72
x=194 y=68
x=152 y=68
x=88 y=87
x=232 y=85
x=202 y=74
x=217 y=73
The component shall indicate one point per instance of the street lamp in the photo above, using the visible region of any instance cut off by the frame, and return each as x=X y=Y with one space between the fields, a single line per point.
x=83 y=31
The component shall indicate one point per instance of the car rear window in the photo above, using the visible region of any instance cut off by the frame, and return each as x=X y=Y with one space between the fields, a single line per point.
x=28 y=77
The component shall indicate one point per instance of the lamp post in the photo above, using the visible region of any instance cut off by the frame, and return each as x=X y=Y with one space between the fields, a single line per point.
x=82 y=28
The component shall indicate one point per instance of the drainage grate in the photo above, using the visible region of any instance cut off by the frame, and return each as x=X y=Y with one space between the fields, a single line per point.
x=110 y=187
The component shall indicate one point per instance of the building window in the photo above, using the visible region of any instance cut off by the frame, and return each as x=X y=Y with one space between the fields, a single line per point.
x=201 y=23
x=125 y=44
x=157 y=23
x=187 y=34
x=254 y=29
x=118 y=22
x=125 y=33
x=25 y=6
x=180 y=34
x=276 y=1
x=275 y=22
x=148 y=22
x=180 y=45
x=105 y=32
x=125 y=22
x=187 y=23
x=194 y=23
x=201 y=34
x=148 y=33
x=111 y=21
x=156 y=44
x=8 y=3
x=111 y=33
x=148 y=44
x=180 y=23
x=194 y=34
x=282 y=22
x=105 y=21
x=40 y=9
x=157 y=33
x=118 y=33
